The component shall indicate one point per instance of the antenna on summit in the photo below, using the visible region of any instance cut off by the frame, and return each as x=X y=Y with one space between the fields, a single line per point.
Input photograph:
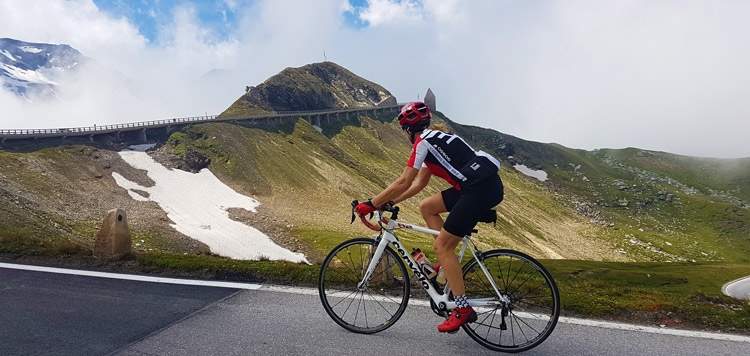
x=325 y=58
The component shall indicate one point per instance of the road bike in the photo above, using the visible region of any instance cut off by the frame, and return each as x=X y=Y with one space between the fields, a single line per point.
x=364 y=287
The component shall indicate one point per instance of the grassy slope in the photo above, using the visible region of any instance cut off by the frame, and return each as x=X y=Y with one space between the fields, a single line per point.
x=321 y=175
x=658 y=206
x=53 y=199
x=306 y=179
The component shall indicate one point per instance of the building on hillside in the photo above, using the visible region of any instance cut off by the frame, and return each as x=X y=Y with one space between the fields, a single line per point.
x=429 y=99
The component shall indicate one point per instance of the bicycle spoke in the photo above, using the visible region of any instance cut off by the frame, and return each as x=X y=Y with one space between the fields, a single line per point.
x=380 y=304
x=520 y=328
x=529 y=289
x=364 y=308
x=349 y=306
x=369 y=310
x=343 y=299
x=536 y=305
x=524 y=282
x=525 y=323
x=385 y=269
x=510 y=263
x=346 y=275
x=356 y=275
x=491 y=322
x=486 y=287
x=350 y=259
x=500 y=270
x=385 y=296
x=516 y=275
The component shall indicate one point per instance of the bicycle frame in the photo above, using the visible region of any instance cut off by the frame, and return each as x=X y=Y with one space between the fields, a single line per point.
x=441 y=300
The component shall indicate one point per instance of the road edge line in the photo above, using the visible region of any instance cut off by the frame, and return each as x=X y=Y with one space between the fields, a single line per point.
x=131 y=277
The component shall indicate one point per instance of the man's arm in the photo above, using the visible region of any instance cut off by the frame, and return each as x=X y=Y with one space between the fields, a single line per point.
x=422 y=179
x=397 y=188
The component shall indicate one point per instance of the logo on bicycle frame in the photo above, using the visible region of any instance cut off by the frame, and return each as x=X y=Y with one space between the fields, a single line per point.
x=414 y=268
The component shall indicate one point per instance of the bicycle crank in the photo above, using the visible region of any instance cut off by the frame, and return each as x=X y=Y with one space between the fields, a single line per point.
x=437 y=310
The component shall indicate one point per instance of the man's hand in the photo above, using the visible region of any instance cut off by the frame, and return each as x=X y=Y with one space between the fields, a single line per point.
x=365 y=208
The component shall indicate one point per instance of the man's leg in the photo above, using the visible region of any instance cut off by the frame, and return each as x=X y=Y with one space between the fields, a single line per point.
x=445 y=245
x=431 y=208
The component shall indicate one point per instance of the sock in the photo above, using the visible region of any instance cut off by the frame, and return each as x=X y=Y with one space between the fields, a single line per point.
x=461 y=301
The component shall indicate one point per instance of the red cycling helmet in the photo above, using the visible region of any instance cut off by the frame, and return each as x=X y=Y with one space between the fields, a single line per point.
x=414 y=116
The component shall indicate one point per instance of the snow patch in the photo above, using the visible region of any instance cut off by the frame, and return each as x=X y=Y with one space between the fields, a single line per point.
x=197 y=203
x=26 y=75
x=540 y=174
x=7 y=54
x=30 y=49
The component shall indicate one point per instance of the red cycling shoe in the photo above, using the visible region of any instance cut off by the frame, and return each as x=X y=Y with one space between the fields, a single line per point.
x=459 y=317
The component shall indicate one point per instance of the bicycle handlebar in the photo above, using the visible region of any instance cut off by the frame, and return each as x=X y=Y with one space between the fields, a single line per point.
x=388 y=207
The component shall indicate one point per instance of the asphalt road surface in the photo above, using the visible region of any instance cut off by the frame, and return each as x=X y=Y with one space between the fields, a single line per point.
x=46 y=313
x=738 y=289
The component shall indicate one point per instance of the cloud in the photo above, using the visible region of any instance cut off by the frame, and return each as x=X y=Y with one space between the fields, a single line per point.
x=378 y=12
x=665 y=75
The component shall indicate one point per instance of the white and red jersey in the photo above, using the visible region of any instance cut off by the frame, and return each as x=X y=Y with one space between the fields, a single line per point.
x=445 y=155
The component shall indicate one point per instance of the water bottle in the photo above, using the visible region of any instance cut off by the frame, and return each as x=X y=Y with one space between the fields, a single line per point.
x=440 y=274
x=424 y=263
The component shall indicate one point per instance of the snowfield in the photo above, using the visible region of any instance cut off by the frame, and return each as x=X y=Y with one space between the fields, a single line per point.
x=541 y=175
x=197 y=203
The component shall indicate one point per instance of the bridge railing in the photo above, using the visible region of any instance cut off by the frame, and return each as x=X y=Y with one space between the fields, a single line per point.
x=99 y=128
x=96 y=129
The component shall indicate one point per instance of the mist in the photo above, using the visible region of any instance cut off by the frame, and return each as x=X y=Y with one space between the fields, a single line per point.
x=658 y=75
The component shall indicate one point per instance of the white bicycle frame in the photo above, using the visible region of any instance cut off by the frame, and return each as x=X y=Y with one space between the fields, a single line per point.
x=441 y=300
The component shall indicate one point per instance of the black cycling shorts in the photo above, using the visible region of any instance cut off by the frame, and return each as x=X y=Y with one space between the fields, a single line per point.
x=468 y=205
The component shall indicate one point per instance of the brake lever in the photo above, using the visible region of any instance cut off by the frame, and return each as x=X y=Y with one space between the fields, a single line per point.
x=354 y=205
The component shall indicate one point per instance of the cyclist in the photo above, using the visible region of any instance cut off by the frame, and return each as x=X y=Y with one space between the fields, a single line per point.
x=476 y=189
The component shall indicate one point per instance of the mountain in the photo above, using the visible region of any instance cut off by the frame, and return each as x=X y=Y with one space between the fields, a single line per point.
x=35 y=70
x=611 y=205
x=315 y=86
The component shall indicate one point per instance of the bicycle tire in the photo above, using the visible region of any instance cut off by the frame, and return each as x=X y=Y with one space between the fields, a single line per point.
x=385 y=297
x=534 y=307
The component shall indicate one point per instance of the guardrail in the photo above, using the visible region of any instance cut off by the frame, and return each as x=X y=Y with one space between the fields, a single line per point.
x=104 y=129
x=98 y=129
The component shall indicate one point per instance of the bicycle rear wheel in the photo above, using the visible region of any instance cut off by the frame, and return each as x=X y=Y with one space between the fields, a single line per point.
x=534 y=306
x=363 y=309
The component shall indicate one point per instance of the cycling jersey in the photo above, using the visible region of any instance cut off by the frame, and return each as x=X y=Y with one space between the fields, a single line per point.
x=449 y=157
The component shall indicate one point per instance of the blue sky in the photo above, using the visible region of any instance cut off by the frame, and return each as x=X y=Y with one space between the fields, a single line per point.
x=149 y=15
x=668 y=75
x=220 y=16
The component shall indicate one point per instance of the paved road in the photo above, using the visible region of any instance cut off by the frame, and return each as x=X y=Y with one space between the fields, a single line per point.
x=739 y=289
x=85 y=315
x=271 y=323
x=56 y=314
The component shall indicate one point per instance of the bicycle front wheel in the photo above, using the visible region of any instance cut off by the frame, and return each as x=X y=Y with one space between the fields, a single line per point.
x=534 y=306
x=363 y=308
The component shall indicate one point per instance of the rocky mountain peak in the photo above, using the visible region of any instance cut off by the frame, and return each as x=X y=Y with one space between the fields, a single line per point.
x=34 y=70
x=324 y=85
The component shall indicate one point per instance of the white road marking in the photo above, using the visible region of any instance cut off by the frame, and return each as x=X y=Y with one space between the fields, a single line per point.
x=420 y=302
x=132 y=277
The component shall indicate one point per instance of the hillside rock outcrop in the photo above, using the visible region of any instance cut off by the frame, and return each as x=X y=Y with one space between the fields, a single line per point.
x=315 y=86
